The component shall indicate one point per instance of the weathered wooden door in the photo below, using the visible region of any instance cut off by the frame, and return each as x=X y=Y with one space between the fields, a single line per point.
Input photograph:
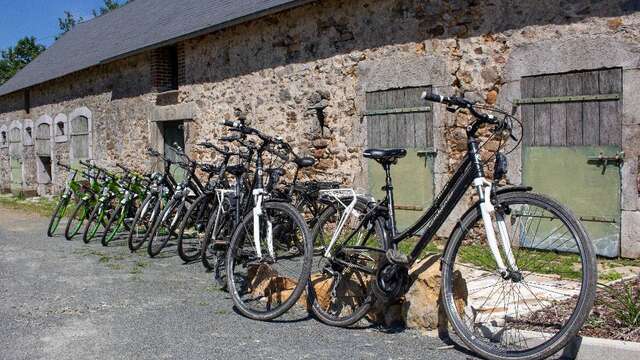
x=80 y=139
x=398 y=118
x=173 y=133
x=572 y=147
x=16 y=159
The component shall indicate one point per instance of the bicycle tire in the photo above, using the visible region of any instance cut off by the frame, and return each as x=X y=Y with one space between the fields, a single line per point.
x=584 y=302
x=73 y=227
x=302 y=279
x=57 y=215
x=134 y=240
x=362 y=310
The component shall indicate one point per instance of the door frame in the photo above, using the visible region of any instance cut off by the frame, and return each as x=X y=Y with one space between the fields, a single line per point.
x=16 y=124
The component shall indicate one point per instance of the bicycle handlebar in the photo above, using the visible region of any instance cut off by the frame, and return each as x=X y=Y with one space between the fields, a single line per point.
x=461 y=103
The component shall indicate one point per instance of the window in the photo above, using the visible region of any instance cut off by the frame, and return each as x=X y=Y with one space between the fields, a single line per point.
x=27 y=101
x=4 y=141
x=60 y=128
x=165 y=68
x=28 y=133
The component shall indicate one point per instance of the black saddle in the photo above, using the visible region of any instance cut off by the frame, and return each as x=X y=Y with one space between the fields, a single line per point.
x=236 y=170
x=304 y=162
x=385 y=156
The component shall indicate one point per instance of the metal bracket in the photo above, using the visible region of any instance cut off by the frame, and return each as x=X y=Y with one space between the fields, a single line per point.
x=563 y=99
x=409 y=110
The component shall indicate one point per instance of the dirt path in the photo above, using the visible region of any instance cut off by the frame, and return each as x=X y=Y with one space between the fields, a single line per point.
x=66 y=300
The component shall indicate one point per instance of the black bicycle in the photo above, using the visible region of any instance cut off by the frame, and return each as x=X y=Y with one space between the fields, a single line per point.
x=501 y=287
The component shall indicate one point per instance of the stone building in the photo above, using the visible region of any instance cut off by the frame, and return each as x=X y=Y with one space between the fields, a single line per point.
x=334 y=77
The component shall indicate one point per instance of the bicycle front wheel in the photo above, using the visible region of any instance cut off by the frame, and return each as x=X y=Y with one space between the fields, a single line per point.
x=536 y=307
x=57 y=215
x=266 y=278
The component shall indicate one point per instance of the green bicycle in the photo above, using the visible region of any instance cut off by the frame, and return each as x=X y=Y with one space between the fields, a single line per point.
x=126 y=208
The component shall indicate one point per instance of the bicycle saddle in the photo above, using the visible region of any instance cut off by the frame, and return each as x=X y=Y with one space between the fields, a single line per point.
x=385 y=155
x=305 y=161
x=236 y=170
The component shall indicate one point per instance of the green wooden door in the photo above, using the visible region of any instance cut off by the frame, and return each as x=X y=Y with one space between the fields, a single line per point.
x=590 y=188
x=398 y=118
x=564 y=140
x=173 y=133
x=15 y=158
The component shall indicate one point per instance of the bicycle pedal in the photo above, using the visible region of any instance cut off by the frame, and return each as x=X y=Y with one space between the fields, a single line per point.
x=396 y=257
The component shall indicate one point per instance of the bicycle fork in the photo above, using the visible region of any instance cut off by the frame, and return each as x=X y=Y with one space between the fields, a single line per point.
x=258 y=195
x=486 y=209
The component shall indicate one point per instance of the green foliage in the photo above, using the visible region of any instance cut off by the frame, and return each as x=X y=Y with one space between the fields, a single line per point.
x=625 y=302
x=13 y=59
x=67 y=23
x=108 y=6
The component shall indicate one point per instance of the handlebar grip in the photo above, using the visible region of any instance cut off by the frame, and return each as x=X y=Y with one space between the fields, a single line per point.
x=432 y=97
x=231 y=123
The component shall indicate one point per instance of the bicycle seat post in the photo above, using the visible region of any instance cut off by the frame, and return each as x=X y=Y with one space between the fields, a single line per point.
x=388 y=188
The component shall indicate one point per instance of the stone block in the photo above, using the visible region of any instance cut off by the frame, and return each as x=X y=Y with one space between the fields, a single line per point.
x=630 y=234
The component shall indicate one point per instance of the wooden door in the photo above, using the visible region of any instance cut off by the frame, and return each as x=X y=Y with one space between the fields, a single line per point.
x=572 y=137
x=398 y=118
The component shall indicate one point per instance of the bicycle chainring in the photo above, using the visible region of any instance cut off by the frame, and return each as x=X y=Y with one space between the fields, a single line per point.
x=392 y=280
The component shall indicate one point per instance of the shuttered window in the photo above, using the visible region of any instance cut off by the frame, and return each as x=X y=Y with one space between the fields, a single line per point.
x=43 y=140
x=573 y=109
x=399 y=118
x=80 y=138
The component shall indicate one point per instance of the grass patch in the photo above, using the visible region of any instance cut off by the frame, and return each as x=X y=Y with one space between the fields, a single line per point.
x=565 y=265
x=37 y=205
x=407 y=245
x=138 y=267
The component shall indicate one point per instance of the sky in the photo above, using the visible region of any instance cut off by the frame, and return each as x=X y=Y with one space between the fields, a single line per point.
x=39 y=18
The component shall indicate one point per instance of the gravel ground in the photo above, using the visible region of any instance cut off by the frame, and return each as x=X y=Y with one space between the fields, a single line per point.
x=67 y=300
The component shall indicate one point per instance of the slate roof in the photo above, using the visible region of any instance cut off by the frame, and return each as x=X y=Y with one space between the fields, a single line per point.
x=137 y=26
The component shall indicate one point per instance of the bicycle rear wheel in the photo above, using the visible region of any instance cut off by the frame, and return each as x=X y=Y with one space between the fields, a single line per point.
x=531 y=312
x=265 y=287
x=193 y=228
x=57 y=215
x=115 y=224
x=143 y=222
x=165 y=227
x=76 y=220
x=341 y=284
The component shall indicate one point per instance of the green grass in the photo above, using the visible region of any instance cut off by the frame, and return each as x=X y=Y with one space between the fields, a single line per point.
x=40 y=206
x=407 y=245
x=138 y=267
x=545 y=262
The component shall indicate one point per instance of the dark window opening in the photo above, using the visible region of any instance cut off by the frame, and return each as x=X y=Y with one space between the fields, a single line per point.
x=3 y=138
x=27 y=101
x=45 y=177
x=60 y=129
x=166 y=68
x=28 y=131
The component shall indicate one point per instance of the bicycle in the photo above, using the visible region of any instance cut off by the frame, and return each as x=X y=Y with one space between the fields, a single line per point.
x=126 y=209
x=71 y=187
x=503 y=247
x=86 y=203
x=268 y=260
x=170 y=217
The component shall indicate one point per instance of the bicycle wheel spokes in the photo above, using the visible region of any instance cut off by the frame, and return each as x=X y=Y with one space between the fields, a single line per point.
x=341 y=282
x=266 y=283
x=533 y=305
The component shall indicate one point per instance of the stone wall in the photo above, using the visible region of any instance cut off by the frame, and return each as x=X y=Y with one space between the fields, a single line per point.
x=285 y=69
x=117 y=99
